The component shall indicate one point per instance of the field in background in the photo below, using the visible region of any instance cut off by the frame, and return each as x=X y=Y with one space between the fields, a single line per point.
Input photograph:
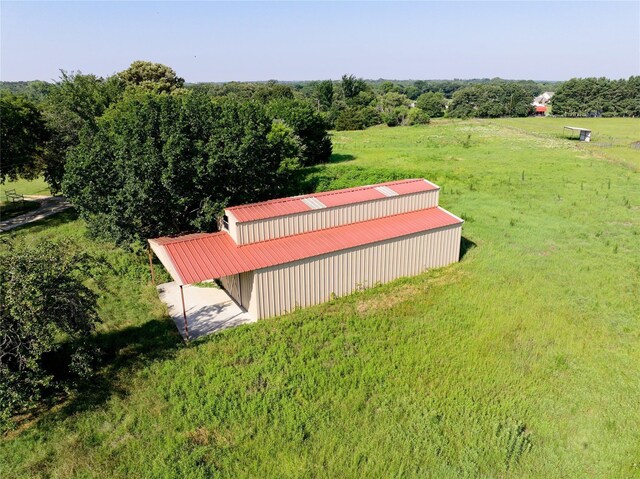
x=615 y=139
x=523 y=360
x=10 y=209
x=24 y=187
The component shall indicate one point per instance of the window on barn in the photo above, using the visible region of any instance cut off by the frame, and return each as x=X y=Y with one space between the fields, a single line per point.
x=225 y=222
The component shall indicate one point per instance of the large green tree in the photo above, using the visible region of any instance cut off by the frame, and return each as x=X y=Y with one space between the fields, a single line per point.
x=72 y=104
x=154 y=77
x=432 y=103
x=165 y=164
x=22 y=138
x=43 y=302
x=323 y=94
x=491 y=100
x=308 y=125
x=352 y=86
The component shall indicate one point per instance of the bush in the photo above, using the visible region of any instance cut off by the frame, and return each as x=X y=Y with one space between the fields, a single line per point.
x=353 y=118
x=417 y=116
x=42 y=301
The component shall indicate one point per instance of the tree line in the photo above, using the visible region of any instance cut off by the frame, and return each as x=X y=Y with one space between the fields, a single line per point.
x=354 y=103
x=140 y=155
x=598 y=97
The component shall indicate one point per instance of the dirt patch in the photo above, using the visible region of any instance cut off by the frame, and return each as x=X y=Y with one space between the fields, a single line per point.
x=207 y=437
x=405 y=292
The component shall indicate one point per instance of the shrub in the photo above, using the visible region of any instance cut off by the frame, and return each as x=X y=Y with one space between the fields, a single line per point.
x=417 y=116
x=42 y=300
x=352 y=118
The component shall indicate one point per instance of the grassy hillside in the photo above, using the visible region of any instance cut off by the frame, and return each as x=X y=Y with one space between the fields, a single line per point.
x=522 y=360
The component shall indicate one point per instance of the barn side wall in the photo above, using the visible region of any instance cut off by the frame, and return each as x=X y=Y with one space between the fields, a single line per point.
x=270 y=228
x=232 y=228
x=241 y=288
x=283 y=288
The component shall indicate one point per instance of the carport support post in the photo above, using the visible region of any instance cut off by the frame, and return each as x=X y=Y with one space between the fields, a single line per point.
x=184 y=315
x=153 y=273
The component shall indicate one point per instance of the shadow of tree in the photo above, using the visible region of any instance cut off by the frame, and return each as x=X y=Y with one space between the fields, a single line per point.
x=465 y=246
x=340 y=158
x=122 y=352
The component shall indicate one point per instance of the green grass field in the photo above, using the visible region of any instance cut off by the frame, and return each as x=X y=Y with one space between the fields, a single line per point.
x=522 y=360
x=25 y=187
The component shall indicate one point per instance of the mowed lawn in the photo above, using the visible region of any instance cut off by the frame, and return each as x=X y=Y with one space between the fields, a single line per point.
x=25 y=187
x=522 y=360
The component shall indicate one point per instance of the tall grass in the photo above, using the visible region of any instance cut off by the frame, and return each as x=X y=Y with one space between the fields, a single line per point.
x=522 y=360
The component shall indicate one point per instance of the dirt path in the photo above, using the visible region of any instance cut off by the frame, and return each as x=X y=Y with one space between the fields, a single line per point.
x=49 y=205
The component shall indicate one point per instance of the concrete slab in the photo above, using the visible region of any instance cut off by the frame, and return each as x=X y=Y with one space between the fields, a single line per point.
x=208 y=309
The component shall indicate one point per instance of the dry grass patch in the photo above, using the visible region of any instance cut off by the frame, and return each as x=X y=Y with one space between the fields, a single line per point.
x=396 y=295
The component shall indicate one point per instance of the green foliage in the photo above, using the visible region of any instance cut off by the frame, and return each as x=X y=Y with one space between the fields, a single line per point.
x=449 y=87
x=323 y=94
x=262 y=92
x=459 y=372
x=271 y=91
x=393 y=100
x=357 y=118
x=394 y=108
x=352 y=86
x=152 y=77
x=42 y=298
x=491 y=101
x=308 y=125
x=598 y=97
x=286 y=143
x=72 y=104
x=22 y=138
x=164 y=164
x=432 y=103
x=417 y=116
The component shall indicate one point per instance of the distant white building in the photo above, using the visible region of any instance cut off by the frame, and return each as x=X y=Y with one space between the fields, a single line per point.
x=542 y=100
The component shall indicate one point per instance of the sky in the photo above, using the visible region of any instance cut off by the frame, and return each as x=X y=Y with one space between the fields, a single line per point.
x=288 y=41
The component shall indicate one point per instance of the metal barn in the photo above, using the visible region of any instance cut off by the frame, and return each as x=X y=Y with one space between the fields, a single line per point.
x=276 y=256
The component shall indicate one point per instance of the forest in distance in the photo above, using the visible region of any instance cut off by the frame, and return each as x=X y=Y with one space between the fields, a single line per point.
x=68 y=130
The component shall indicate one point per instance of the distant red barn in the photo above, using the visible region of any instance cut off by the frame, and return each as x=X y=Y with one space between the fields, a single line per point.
x=541 y=110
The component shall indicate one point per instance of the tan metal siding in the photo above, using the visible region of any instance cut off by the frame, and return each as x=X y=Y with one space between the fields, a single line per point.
x=283 y=288
x=241 y=288
x=161 y=252
x=270 y=228
x=233 y=225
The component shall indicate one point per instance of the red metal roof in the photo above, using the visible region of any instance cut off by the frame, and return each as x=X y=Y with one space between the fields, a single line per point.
x=207 y=256
x=294 y=204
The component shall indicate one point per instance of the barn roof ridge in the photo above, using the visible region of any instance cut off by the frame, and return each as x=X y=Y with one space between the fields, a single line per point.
x=359 y=194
